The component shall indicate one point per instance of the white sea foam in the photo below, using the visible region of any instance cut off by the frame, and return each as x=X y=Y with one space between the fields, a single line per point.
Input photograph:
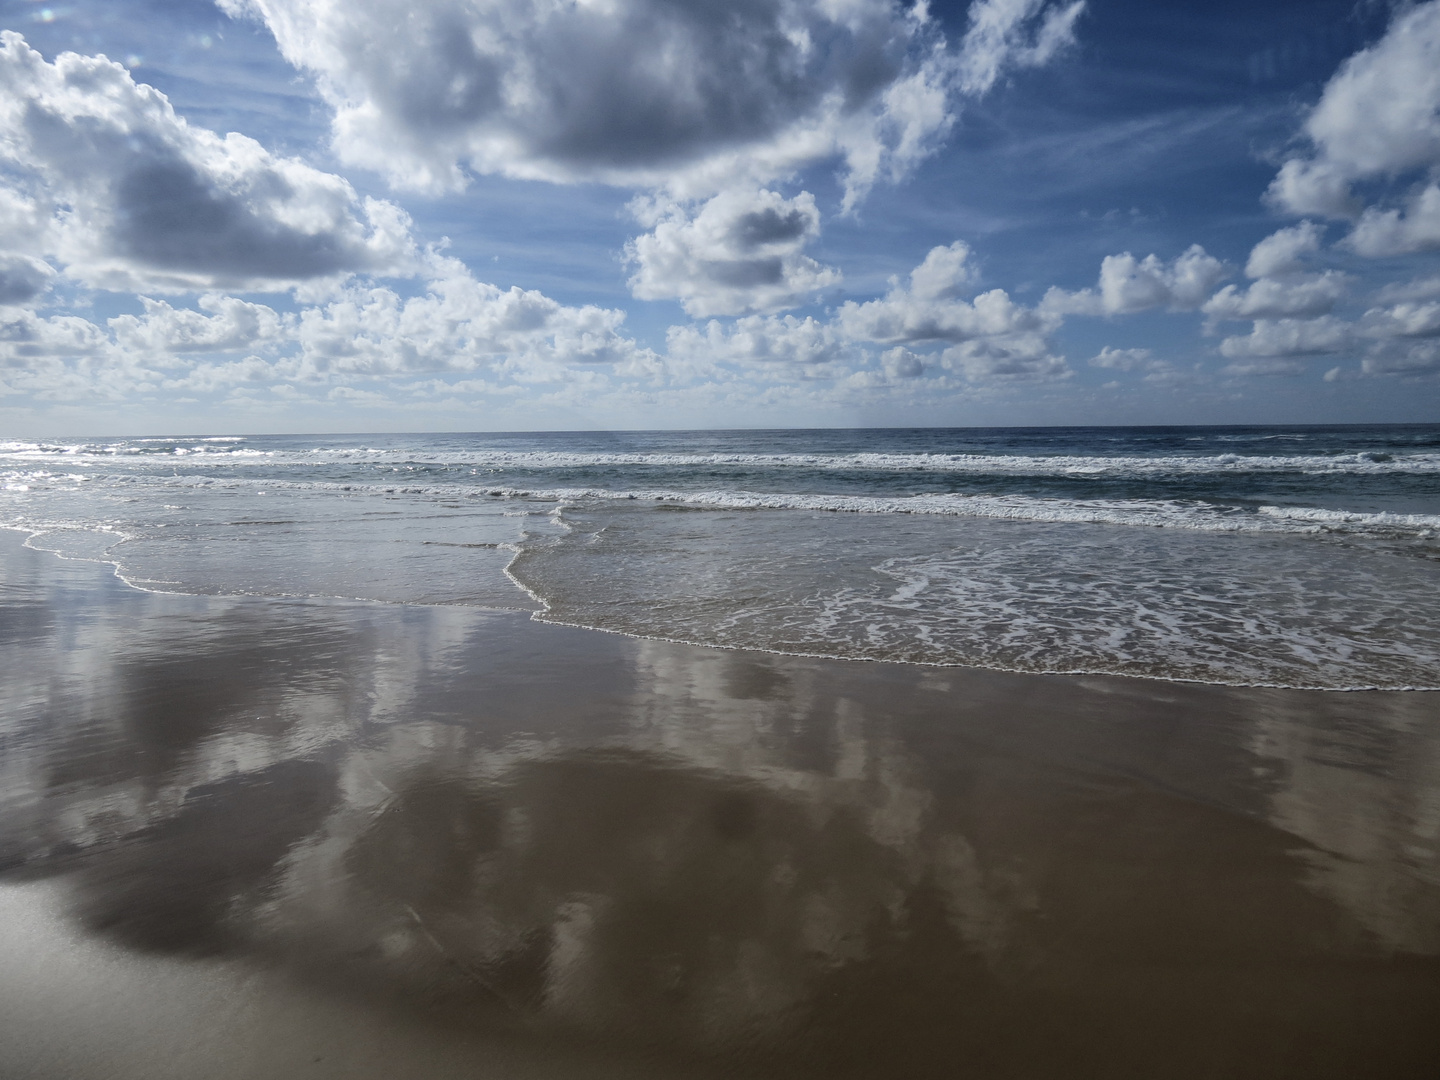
x=1190 y=606
x=1344 y=518
x=1151 y=513
x=1161 y=593
x=1099 y=466
x=139 y=449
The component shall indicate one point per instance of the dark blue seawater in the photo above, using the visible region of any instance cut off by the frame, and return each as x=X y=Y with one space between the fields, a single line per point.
x=1298 y=556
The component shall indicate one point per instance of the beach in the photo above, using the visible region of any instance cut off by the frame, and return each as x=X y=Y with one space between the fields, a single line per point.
x=253 y=837
x=794 y=540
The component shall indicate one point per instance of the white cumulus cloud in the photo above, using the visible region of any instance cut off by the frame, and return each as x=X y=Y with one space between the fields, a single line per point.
x=1284 y=251
x=1272 y=298
x=704 y=106
x=230 y=324
x=930 y=307
x=1407 y=319
x=459 y=324
x=1128 y=285
x=1011 y=358
x=1267 y=367
x=1406 y=360
x=25 y=336
x=1291 y=337
x=1289 y=303
x=742 y=251
x=1394 y=231
x=1378 y=118
x=1123 y=359
x=1415 y=289
x=104 y=178
x=646 y=93
x=1406 y=337
x=23 y=278
x=989 y=338
x=365 y=332
x=1379 y=115
x=759 y=340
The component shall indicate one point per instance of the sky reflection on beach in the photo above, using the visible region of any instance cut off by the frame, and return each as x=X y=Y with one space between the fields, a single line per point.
x=721 y=859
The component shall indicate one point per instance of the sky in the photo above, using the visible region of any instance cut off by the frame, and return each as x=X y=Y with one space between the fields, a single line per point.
x=246 y=216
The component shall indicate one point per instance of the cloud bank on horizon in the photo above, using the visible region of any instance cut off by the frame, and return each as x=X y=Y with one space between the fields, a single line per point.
x=153 y=267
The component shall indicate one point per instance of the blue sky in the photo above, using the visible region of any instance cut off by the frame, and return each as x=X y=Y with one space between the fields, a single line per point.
x=514 y=214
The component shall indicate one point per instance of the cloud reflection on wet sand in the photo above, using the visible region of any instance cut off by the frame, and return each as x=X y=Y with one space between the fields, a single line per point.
x=683 y=858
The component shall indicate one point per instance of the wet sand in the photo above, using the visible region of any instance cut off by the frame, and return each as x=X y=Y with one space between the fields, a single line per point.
x=257 y=838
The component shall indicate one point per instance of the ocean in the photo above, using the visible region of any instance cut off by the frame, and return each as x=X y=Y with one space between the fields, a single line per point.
x=1303 y=557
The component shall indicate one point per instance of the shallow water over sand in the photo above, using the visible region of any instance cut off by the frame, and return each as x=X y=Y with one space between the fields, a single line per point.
x=341 y=839
x=1292 y=557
